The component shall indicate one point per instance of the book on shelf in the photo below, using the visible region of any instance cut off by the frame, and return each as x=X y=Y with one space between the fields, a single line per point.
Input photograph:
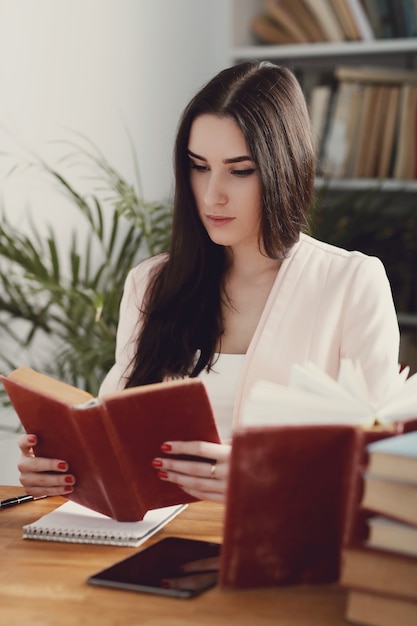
x=375 y=74
x=339 y=141
x=353 y=130
x=376 y=131
x=74 y=523
x=281 y=13
x=298 y=454
x=405 y=158
x=324 y=14
x=109 y=442
x=286 y=21
x=305 y=18
x=380 y=610
x=389 y=135
x=319 y=106
x=268 y=31
x=362 y=20
x=360 y=160
x=374 y=16
x=388 y=534
x=347 y=21
x=379 y=571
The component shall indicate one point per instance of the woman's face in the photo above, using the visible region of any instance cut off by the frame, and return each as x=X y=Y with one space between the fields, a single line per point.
x=224 y=181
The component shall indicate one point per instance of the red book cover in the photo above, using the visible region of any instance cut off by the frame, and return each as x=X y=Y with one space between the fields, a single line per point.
x=286 y=506
x=109 y=442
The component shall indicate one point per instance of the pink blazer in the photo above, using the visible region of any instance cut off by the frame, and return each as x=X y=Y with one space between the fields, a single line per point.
x=326 y=304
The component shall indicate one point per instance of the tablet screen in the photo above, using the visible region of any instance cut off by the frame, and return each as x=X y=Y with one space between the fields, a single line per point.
x=173 y=567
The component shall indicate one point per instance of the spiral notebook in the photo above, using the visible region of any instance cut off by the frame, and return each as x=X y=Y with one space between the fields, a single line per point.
x=73 y=523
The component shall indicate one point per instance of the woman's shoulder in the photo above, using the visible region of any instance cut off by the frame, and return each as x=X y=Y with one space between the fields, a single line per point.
x=145 y=268
x=140 y=275
x=314 y=248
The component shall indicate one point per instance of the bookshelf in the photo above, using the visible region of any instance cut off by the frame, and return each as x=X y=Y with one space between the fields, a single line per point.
x=396 y=196
x=316 y=59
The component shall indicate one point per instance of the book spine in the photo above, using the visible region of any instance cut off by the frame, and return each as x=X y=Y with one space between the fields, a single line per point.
x=324 y=14
x=362 y=21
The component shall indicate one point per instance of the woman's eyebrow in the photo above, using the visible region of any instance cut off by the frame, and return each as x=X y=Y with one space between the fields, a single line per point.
x=196 y=156
x=237 y=159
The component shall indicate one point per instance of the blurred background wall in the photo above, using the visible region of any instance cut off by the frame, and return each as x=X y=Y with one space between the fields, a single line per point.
x=114 y=71
x=105 y=69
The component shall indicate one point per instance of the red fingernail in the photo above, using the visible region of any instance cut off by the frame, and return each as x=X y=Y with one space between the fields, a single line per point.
x=156 y=463
x=166 y=447
x=32 y=440
x=162 y=474
x=62 y=465
x=69 y=479
x=68 y=488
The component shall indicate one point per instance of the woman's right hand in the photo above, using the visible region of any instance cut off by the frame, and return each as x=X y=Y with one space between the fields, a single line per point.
x=41 y=476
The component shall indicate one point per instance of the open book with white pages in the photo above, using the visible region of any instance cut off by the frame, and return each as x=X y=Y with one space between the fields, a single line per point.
x=312 y=396
x=74 y=523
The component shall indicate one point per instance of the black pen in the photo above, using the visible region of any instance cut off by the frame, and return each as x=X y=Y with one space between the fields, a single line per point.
x=4 y=504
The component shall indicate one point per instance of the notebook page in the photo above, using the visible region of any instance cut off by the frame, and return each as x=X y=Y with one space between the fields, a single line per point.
x=73 y=523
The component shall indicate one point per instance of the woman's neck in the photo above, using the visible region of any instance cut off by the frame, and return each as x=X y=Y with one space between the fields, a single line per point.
x=250 y=263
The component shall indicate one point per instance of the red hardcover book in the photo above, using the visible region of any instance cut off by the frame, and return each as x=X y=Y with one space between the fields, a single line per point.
x=294 y=502
x=109 y=442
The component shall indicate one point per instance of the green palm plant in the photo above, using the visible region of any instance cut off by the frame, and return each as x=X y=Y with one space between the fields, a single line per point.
x=77 y=307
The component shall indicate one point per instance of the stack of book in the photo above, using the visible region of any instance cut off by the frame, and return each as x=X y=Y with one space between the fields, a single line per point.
x=364 y=121
x=381 y=571
x=311 y=21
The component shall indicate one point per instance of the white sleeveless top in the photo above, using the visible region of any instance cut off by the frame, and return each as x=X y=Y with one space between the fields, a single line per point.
x=221 y=384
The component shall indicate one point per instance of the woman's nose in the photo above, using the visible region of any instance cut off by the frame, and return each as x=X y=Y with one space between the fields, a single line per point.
x=215 y=192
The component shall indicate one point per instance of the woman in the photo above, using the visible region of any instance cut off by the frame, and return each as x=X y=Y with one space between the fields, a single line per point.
x=242 y=294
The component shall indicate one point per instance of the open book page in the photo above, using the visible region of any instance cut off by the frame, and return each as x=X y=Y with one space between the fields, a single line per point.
x=73 y=523
x=312 y=396
x=400 y=403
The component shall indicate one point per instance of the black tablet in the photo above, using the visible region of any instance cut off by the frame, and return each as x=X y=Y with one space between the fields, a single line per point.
x=174 y=567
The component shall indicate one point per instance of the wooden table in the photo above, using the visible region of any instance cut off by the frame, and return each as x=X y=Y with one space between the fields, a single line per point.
x=44 y=583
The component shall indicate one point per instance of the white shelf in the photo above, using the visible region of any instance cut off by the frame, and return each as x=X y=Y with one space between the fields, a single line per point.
x=365 y=184
x=330 y=50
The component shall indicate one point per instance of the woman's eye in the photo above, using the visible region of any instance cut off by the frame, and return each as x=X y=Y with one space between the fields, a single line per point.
x=197 y=167
x=243 y=173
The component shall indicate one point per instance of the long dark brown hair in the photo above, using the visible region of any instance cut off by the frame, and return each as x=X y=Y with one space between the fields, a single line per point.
x=182 y=321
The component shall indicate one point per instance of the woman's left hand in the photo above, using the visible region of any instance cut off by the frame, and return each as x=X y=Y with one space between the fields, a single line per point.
x=205 y=480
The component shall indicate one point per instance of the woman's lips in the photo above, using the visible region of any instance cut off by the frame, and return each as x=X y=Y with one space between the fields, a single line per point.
x=219 y=220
